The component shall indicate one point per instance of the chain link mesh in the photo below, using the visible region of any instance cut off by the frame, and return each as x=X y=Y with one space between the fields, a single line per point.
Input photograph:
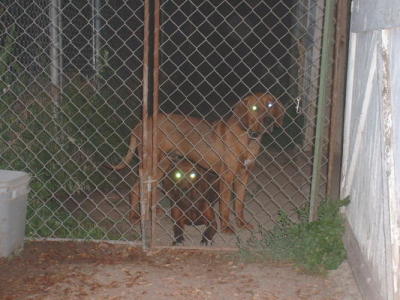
x=70 y=92
x=214 y=53
x=71 y=89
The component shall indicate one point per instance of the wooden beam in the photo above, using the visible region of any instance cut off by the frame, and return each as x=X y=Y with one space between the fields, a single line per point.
x=338 y=98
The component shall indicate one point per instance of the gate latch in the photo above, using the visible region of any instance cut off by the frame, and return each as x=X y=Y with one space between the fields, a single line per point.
x=298 y=100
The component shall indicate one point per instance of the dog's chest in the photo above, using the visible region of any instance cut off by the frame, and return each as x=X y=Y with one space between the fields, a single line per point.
x=249 y=161
x=251 y=152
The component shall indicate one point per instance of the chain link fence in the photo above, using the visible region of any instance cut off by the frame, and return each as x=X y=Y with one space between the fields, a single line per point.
x=212 y=54
x=70 y=92
x=71 y=85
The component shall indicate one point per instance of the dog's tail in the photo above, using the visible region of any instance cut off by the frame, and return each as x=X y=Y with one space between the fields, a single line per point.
x=133 y=143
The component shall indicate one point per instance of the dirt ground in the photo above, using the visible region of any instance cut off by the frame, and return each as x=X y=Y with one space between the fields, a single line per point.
x=81 y=270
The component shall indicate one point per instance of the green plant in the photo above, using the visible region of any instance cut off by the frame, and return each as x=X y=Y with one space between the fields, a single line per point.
x=63 y=147
x=50 y=219
x=315 y=246
x=62 y=154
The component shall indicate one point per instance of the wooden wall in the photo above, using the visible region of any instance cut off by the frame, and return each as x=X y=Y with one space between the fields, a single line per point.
x=371 y=150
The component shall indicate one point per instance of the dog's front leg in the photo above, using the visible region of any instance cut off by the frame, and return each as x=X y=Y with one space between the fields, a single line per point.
x=179 y=219
x=135 y=215
x=225 y=185
x=240 y=185
x=211 y=228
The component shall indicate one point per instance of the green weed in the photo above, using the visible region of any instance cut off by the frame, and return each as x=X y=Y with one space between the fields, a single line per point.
x=314 y=246
x=61 y=146
x=50 y=219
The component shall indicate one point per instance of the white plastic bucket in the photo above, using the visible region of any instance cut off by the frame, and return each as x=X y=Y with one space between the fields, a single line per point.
x=14 y=189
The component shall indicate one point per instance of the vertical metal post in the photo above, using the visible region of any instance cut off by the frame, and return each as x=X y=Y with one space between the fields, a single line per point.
x=297 y=85
x=145 y=166
x=96 y=36
x=312 y=67
x=156 y=78
x=55 y=52
x=323 y=94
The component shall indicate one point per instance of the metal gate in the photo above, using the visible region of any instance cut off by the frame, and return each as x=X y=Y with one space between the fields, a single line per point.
x=77 y=77
x=212 y=55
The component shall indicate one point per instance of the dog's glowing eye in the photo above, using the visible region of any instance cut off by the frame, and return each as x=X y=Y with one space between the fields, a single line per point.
x=269 y=105
x=178 y=175
x=254 y=108
x=192 y=175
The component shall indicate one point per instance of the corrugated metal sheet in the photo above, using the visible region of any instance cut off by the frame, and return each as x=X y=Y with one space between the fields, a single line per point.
x=371 y=162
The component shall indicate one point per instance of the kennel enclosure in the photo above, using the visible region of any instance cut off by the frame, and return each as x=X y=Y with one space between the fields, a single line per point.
x=76 y=77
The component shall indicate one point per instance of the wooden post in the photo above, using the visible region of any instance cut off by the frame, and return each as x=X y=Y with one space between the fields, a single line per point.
x=323 y=94
x=338 y=99
x=156 y=78
x=145 y=166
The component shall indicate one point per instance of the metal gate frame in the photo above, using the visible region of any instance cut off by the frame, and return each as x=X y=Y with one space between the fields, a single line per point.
x=145 y=168
x=333 y=10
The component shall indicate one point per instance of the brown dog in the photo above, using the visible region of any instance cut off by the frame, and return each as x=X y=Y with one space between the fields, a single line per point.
x=192 y=192
x=228 y=147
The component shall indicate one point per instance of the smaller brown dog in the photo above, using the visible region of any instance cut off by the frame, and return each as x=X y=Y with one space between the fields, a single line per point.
x=192 y=191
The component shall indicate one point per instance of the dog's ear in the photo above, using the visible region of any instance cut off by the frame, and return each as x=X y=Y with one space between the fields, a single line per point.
x=278 y=114
x=211 y=177
x=240 y=111
x=202 y=184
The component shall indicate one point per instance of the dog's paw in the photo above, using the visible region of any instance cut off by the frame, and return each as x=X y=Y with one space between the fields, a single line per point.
x=244 y=225
x=178 y=242
x=206 y=242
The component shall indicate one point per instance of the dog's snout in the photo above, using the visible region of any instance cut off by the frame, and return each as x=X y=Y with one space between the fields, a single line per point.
x=184 y=185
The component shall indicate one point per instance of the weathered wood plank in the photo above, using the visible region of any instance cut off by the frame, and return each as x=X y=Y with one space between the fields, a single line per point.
x=368 y=285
